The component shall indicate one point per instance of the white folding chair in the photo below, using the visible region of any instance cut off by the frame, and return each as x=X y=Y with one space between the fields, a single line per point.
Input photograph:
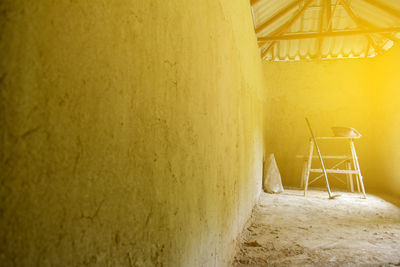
x=350 y=162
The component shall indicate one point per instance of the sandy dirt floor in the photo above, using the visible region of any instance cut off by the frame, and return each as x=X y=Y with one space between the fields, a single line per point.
x=287 y=229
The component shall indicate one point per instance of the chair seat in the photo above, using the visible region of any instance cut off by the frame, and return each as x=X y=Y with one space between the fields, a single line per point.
x=335 y=171
x=325 y=157
x=346 y=132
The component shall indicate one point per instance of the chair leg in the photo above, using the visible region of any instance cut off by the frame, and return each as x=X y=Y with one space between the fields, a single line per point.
x=307 y=174
x=357 y=167
x=303 y=174
x=347 y=178
x=362 y=186
x=350 y=177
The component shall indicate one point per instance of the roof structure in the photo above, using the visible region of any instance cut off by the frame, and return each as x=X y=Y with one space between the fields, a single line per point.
x=291 y=30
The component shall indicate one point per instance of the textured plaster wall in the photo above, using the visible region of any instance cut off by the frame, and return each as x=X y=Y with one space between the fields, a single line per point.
x=386 y=82
x=131 y=131
x=330 y=93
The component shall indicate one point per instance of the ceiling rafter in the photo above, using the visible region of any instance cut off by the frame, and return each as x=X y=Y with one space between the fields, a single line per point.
x=329 y=27
x=328 y=13
x=327 y=4
x=356 y=20
x=324 y=24
x=253 y=2
x=369 y=25
x=278 y=15
x=284 y=28
x=384 y=7
x=326 y=34
x=264 y=53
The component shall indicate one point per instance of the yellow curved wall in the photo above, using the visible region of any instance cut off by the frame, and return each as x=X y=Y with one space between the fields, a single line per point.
x=386 y=119
x=131 y=131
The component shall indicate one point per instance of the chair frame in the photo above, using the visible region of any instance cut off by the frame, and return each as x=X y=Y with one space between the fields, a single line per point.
x=351 y=163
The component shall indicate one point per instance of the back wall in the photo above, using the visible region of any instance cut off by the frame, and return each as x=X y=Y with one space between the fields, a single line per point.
x=330 y=93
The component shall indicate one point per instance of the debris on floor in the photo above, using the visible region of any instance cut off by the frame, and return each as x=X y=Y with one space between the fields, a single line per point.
x=289 y=229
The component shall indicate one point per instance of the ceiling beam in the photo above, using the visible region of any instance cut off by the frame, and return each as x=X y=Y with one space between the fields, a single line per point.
x=322 y=13
x=278 y=15
x=384 y=7
x=357 y=21
x=326 y=34
x=285 y=27
x=321 y=26
x=253 y=2
x=328 y=13
x=329 y=27
x=264 y=53
x=368 y=24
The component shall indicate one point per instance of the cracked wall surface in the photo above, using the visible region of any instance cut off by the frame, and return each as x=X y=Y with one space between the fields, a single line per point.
x=131 y=131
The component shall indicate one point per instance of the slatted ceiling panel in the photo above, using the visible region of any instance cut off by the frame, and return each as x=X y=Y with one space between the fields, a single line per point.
x=268 y=9
x=357 y=45
x=347 y=46
x=371 y=14
x=342 y=20
x=263 y=10
x=304 y=44
x=277 y=24
x=371 y=52
x=308 y=23
x=294 y=44
x=292 y=52
x=374 y=15
x=394 y=4
x=283 y=51
x=336 y=49
x=326 y=47
x=388 y=44
x=379 y=40
x=383 y=43
x=360 y=46
x=293 y=48
x=283 y=47
x=311 y=48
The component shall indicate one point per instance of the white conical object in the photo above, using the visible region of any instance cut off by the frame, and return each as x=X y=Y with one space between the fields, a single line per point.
x=272 y=177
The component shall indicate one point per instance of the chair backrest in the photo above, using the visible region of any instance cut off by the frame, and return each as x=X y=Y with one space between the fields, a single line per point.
x=346 y=132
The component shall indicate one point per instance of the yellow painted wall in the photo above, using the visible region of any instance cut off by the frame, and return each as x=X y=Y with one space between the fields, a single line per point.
x=386 y=84
x=330 y=93
x=131 y=131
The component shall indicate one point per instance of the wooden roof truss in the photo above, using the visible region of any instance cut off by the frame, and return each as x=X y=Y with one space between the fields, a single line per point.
x=325 y=21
